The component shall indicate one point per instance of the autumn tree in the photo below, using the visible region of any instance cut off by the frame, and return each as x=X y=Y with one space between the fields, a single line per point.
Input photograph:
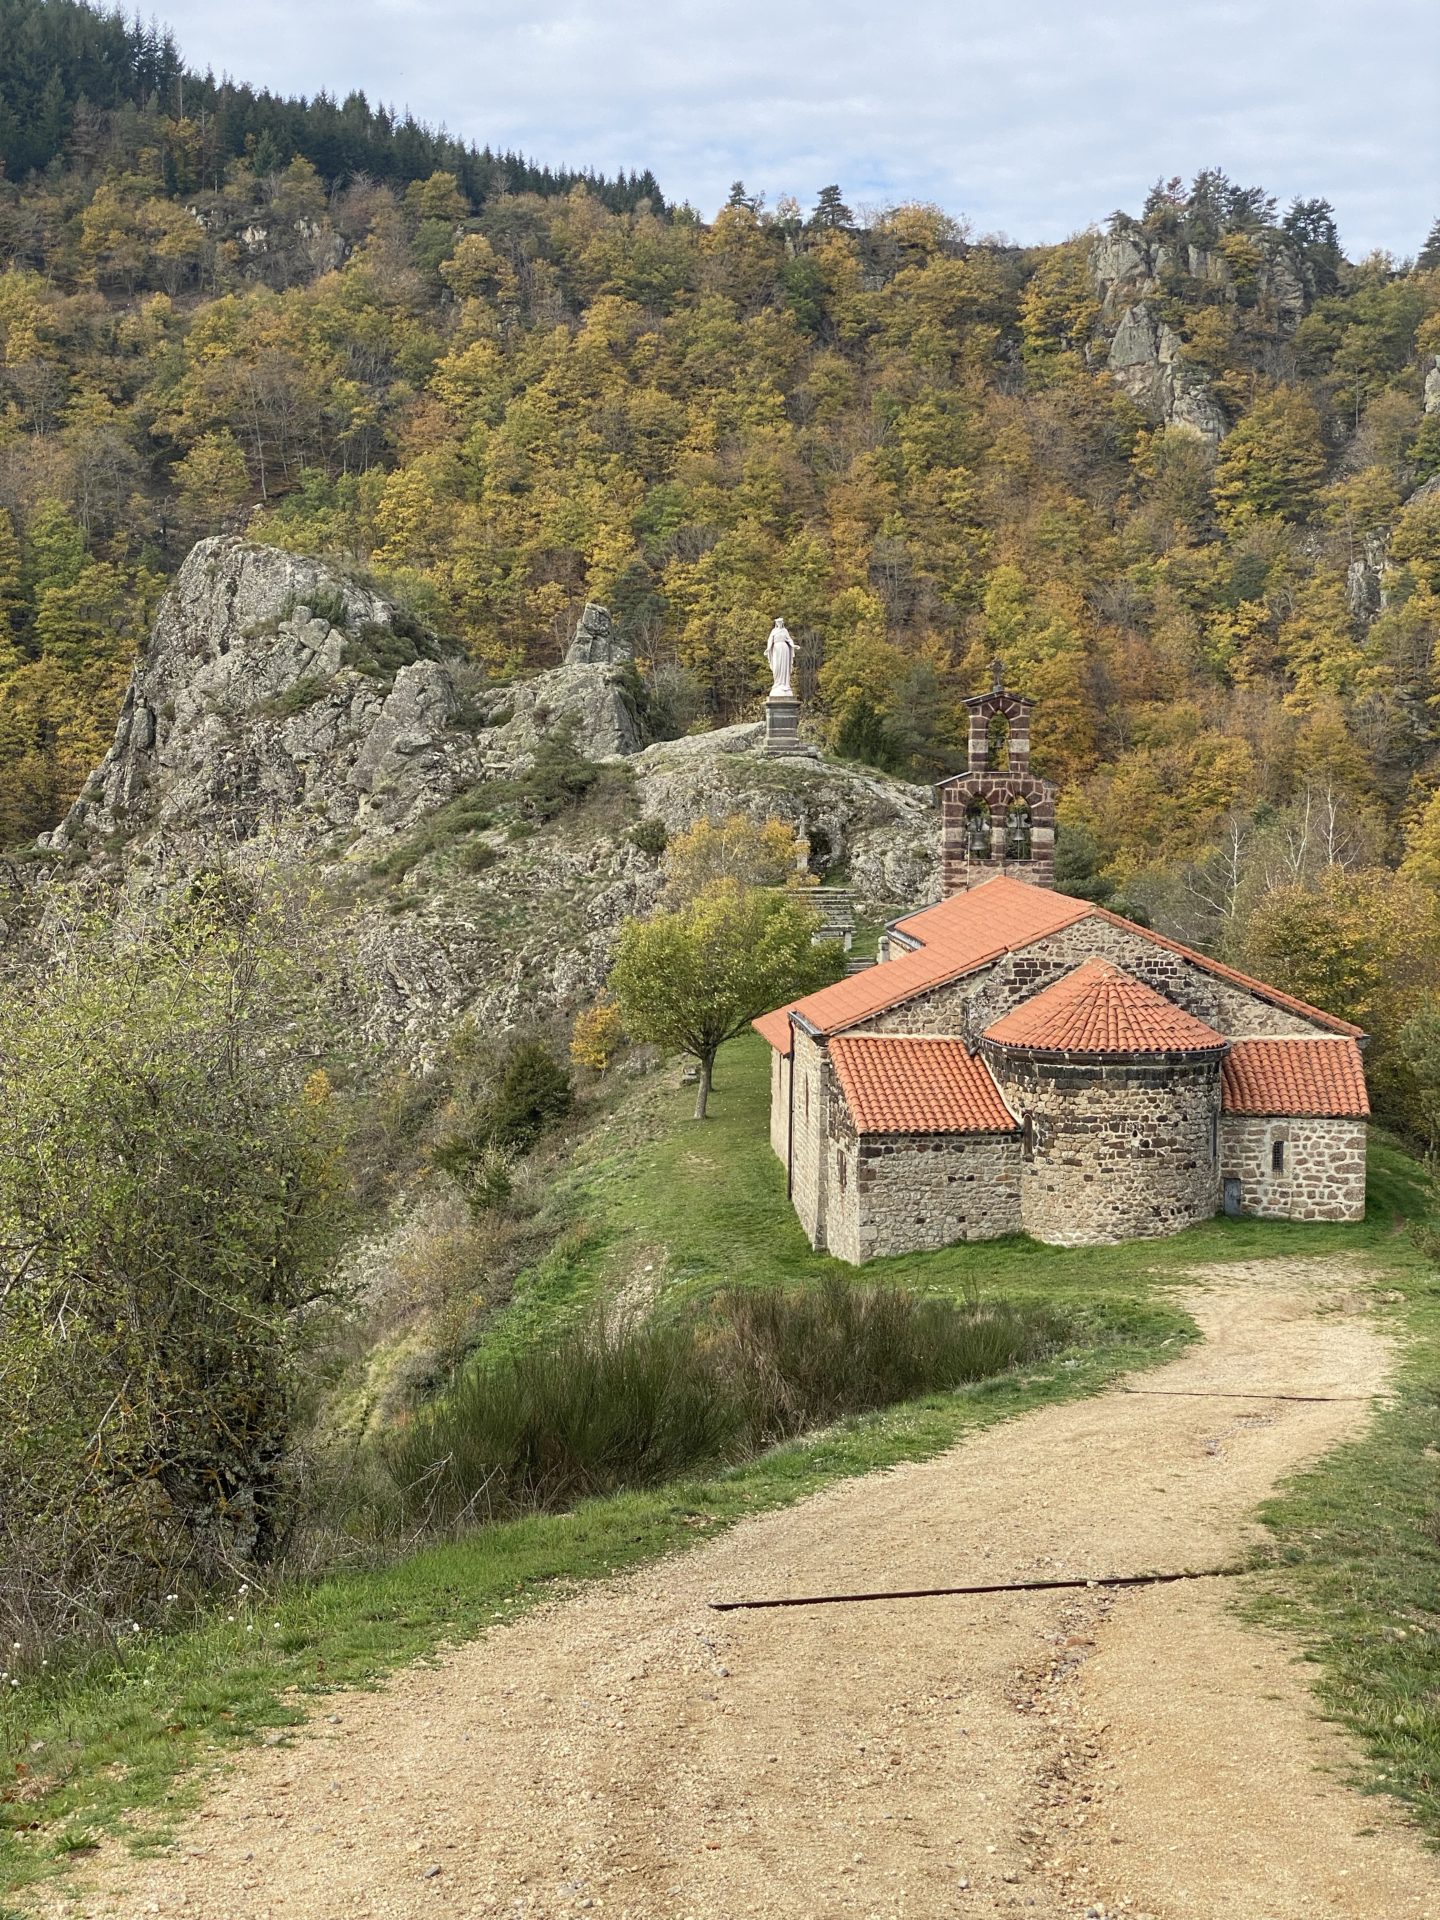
x=1364 y=945
x=756 y=853
x=691 y=978
x=170 y=1210
x=1273 y=461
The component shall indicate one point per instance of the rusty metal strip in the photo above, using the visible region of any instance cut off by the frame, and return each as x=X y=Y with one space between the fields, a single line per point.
x=1221 y=1393
x=1000 y=1586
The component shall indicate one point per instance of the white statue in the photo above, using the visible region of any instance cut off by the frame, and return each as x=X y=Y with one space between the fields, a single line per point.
x=780 y=652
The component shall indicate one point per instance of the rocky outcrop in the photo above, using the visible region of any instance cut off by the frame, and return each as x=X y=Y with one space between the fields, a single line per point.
x=1147 y=360
x=597 y=640
x=279 y=706
x=1129 y=265
x=285 y=717
x=1432 y=385
x=1131 y=270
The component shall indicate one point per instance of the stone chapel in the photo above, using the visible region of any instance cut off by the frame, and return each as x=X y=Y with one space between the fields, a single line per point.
x=1021 y=1061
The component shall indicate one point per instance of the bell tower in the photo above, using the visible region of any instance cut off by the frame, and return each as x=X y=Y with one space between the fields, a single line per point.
x=997 y=816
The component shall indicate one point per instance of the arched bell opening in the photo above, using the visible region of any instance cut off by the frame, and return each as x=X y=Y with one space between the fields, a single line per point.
x=977 y=830
x=997 y=743
x=1017 y=831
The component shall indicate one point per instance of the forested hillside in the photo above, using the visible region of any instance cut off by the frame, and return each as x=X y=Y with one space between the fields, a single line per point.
x=1175 y=470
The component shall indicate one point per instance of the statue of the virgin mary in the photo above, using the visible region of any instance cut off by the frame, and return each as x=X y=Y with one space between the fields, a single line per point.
x=780 y=652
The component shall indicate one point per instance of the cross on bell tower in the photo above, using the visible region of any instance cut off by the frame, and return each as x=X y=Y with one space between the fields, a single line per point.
x=997 y=816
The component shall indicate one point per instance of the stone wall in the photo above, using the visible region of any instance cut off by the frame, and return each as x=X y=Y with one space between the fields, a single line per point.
x=1231 y=1010
x=1323 y=1172
x=1112 y=1151
x=910 y=1192
x=971 y=1004
x=809 y=1161
x=780 y=1104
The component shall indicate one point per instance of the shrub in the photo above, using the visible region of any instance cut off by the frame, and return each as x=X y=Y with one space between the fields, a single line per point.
x=597 y=1036
x=650 y=836
x=479 y=855
x=559 y=778
x=170 y=1211
x=497 y=1114
x=533 y=1093
x=622 y=1404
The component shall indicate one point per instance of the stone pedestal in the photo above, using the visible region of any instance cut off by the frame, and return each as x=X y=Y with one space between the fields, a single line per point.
x=782 y=724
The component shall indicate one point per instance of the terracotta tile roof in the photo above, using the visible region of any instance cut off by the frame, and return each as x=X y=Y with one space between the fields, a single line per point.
x=775 y=1027
x=967 y=931
x=1098 y=1008
x=961 y=934
x=908 y=1083
x=1322 y=1077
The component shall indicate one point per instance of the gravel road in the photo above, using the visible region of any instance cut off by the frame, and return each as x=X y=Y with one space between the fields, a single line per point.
x=630 y=1753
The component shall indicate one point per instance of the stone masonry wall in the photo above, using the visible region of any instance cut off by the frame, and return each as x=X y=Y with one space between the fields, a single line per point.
x=917 y=1191
x=779 y=1103
x=808 y=1160
x=1323 y=1177
x=969 y=1005
x=842 y=1190
x=1119 y=1151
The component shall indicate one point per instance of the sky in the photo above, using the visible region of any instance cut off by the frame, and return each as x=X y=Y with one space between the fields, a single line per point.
x=1034 y=121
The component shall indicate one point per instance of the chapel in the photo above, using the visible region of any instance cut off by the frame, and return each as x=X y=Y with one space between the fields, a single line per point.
x=1021 y=1061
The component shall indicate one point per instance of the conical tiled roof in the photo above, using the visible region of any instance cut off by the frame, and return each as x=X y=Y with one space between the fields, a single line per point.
x=1100 y=1009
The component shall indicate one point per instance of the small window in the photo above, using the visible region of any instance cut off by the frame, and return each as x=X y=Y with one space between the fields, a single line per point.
x=1277 y=1157
x=807 y=1099
x=1027 y=1136
x=1214 y=1139
x=840 y=1163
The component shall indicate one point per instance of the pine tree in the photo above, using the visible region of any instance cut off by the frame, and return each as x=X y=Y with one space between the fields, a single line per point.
x=1430 y=252
x=831 y=211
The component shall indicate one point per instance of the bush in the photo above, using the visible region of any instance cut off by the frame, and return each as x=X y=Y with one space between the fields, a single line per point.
x=559 y=778
x=533 y=1093
x=496 y=1113
x=170 y=1212
x=650 y=836
x=597 y=1036
x=620 y=1404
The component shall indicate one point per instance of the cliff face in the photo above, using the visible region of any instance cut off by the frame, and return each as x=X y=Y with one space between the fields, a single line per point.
x=282 y=717
x=1132 y=272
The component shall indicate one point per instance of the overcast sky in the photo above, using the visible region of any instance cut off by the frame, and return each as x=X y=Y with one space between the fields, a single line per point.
x=1033 y=120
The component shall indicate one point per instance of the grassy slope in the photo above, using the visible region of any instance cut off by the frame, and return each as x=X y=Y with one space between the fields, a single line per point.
x=698 y=1206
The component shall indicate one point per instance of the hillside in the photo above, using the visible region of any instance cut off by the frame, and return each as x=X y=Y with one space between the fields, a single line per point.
x=1176 y=470
x=477 y=842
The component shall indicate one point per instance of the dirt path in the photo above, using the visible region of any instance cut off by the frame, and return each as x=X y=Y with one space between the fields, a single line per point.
x=630 y=1753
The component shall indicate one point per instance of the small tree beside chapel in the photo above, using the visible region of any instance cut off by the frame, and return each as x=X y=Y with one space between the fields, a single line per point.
x=691 y=979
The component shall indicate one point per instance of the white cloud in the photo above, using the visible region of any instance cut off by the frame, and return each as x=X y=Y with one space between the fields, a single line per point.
x=1037 y=121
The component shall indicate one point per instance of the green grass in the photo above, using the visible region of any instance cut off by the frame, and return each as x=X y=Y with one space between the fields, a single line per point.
x=129 y=1739
x=1358 y=1580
